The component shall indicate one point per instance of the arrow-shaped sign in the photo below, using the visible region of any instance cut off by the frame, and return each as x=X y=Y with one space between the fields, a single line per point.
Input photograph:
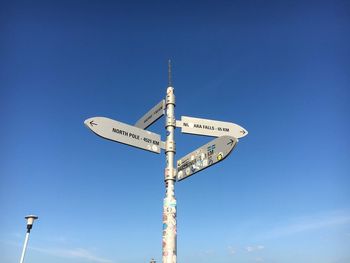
x=206 y=156
x=151 y=116
x=210 y=127
x=124 y=133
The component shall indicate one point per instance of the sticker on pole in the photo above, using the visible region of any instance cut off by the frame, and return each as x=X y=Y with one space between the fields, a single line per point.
x=211 y=127
x=151 y=116
x=120 y=132
x=205 y=156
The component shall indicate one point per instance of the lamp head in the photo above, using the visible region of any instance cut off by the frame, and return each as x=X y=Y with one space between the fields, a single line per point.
x=30 y=219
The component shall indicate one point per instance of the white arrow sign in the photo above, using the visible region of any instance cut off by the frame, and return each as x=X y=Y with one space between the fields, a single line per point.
x=206 y=156
x=151 y=116
x=210 y=127
x=124 y=133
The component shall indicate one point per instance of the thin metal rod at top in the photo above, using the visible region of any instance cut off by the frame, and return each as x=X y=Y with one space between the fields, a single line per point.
x=169 y=73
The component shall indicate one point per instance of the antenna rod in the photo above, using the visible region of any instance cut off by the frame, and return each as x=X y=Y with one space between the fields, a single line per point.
x=169 y=73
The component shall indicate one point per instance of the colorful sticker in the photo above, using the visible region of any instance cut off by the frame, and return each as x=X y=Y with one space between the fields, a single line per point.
x=220 y=156
x=205 y=162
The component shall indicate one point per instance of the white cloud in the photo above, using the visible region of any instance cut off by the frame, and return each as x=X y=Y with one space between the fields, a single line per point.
x=78 y=253
x=231 y=250
x=249 y=249
x=254 y=248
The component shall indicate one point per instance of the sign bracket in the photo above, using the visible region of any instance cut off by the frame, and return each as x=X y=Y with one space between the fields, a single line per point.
x=178 y=124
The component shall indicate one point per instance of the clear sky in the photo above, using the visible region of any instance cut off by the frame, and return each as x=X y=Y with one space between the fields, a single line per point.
x=280 y=69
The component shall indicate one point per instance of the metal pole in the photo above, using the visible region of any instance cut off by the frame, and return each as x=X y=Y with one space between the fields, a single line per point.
x=169 y=250
x=25 y=245
x=30 y=221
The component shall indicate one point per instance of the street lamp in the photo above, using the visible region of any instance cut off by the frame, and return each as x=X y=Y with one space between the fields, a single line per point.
x=30 y=221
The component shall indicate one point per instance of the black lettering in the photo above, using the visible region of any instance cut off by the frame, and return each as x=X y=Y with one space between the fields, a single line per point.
x=159 y=109
x=120 y=131
x=186 y=164
x=134 y=136
x=147 y=140
x=147 y=119
x=208 y=127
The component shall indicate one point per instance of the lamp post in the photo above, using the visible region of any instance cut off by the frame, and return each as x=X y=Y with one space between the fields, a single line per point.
x=30 y=221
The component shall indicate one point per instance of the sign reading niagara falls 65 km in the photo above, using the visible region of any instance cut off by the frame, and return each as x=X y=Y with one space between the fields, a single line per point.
x=211 y=127
x=124 y=133
x=206 y=156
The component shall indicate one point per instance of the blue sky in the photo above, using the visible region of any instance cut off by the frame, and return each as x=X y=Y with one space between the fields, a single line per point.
x=278 y=68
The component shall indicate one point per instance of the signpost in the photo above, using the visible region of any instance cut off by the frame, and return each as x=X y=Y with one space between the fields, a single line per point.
x=124 y=133
x=210 y=127
x=204 y=157
x=153 y=115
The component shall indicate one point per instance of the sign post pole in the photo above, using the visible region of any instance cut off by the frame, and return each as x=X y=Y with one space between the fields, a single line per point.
x=209 y=154
x=169 y=249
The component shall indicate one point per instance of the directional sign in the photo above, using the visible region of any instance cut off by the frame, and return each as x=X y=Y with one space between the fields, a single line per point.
x=210 y=127
x=154 y=114
x=124 y=133
x=206 y=156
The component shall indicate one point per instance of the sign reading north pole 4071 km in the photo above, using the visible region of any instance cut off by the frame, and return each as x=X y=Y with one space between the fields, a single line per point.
x=205 y=156
x=211 y=127
x=124 y=133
